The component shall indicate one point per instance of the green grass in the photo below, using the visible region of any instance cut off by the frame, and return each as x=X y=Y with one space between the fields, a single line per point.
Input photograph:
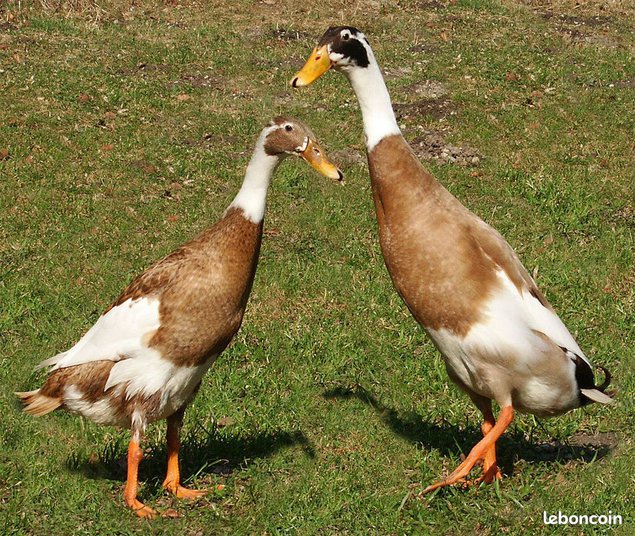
x=335 y=402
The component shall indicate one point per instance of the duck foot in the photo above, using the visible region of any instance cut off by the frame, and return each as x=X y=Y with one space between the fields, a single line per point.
x=141 y=509
x=483 y=450
x=181 y=492
x=490 y=476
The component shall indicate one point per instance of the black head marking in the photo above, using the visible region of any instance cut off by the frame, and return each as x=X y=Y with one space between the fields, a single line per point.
x=350 y=47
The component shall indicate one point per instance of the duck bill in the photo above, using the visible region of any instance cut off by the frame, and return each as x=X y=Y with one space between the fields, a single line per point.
x=314 y=156
x=317 y=64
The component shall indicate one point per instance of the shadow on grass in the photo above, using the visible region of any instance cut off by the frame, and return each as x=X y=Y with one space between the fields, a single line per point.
x=451 y=440
x=202 y=453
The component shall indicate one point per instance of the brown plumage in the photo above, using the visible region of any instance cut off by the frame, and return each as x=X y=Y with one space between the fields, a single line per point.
x=426 y=236
x=144 y=358
x=38 y=404
x=500 y=338
x=204 y=287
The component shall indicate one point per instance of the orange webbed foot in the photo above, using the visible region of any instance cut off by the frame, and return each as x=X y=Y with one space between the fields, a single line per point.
x=458 y=478
x=483 y=450
x=141 y=509
x=451 y=480
x=491 y=475
x=181 y=492
x=135 y=455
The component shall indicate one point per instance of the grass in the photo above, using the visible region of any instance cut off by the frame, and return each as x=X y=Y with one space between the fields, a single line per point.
x=125 y=130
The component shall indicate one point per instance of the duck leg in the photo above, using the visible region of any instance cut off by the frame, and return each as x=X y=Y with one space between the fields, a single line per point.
x=172 y=480
x=490 y=467
x=135 y=455
x=483 y=450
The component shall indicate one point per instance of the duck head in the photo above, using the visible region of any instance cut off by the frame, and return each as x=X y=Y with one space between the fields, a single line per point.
x=342 y=48
x=286 y=136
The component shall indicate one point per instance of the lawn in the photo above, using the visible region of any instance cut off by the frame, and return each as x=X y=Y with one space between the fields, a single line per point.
x=125 y=129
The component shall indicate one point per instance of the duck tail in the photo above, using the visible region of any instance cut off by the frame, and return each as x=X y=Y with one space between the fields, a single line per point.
x=598 y=394
x=38 y=404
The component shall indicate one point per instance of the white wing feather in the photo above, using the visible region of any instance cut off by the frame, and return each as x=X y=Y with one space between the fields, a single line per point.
x=521 y=311
x=549 y=323
x=121 y=335
x=118 y=334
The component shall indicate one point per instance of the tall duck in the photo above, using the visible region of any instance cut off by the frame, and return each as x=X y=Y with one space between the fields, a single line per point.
x=144 y=358
x=500 y=338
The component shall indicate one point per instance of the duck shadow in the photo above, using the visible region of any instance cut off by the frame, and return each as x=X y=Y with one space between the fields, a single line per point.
x=449 y=439
x=203 y=453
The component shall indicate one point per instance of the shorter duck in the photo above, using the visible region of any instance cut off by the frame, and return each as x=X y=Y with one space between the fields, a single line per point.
x=144 y=358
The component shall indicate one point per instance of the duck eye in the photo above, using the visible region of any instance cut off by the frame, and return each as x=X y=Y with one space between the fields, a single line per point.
x=288 y=128
x=345 y=36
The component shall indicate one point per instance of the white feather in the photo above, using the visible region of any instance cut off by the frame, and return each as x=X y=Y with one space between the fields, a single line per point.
x=252 y=196
x=99 y=411
x=597 y=396
x=148 y=374
x=549 y=323
x=512 y=317
x=138 y=425
x=118 y=334
x=501 y=349
x=372 y=94
x=374 y=101
x=121 y=335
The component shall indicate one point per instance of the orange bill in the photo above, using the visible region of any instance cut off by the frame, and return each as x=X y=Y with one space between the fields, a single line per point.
x=314 y=156
x=317 y=64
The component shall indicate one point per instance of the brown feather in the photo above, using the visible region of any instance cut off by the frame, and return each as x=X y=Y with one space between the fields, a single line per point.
x=203 y=287
x=441 y=257
x=424 y=237
x=37 y=404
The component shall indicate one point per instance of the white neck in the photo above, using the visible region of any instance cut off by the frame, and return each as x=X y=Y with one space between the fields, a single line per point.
x=252 y=196
x=374 y=101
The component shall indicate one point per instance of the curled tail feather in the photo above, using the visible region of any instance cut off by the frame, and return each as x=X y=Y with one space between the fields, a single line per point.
x=38 y=404
x=598 y=394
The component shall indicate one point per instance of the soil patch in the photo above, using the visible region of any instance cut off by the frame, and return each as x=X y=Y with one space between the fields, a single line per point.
x=581 y=446
x=396 y=73
x=289 y=34
x=348 y=157
x=428 y=89
x=212 y=141
x=625 y=83
x=438 y=108
x=143 y=68
x=432 y=146
x=627 y=215
x=197 y=80
x=586 y=28
x=423 y=47
x=602 y=440
x=571 y=20
x=431 y=4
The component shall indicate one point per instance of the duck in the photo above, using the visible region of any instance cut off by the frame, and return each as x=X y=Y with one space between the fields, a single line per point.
x=145 y=357
x=500 y=338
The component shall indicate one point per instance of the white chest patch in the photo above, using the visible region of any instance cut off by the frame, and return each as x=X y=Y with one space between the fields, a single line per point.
x=458 y=361
x=179 y=388
x=130 y=378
